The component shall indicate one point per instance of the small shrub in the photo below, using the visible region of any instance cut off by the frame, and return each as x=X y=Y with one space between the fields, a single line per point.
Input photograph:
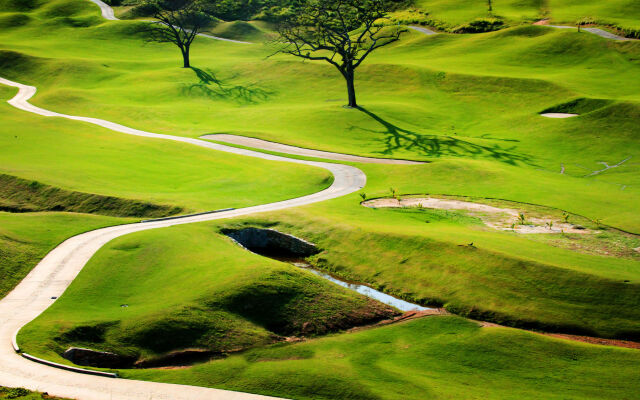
x=565 y=217
x=363 y=196
x=480 y=25
x=522 y=219
x=14 y=393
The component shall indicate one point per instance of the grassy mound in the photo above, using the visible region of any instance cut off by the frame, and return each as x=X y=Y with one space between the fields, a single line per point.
x=238 y=30
x=14 y=20
x=578 y=106
x=217 y=297
x=415 y=359
x=501 y=277
x=621 y=15
x=20 y=195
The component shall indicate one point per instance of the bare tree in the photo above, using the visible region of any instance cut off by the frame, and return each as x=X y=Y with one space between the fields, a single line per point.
x=340 y=32
x=177 y=22
x=490 y=6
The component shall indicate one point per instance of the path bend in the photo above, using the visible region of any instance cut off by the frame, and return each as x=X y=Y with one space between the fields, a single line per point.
x=55 y=272
x=109 y=14
x=300 y=151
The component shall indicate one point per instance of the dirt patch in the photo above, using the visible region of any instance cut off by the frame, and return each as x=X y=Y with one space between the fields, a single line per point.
x=409 y=315
x=498 y=218
x=577 y=338
x=542 y=22
x=593 y=340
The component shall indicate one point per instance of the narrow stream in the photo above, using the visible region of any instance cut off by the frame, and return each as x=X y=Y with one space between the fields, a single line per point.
x=400 y=304
x=292 y=250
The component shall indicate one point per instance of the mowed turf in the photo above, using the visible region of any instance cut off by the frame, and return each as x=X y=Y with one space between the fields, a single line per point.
x=467 y=103
x=26 y=238
x=417 y=356
x=77 y=156
x=435 y=357
x=424 y=256
x=188 y=287
x=625 y=13
x=466 y=100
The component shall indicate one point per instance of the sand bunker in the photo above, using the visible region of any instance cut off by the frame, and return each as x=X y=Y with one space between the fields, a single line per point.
x=558 y=115
x=494 y=217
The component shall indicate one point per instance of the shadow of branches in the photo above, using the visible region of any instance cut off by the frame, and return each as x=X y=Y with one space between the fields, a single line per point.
x=396 y=138
x=214 y=88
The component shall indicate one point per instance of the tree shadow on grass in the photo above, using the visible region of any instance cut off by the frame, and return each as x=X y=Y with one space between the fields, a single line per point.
x=396 y=138
x=214 y=88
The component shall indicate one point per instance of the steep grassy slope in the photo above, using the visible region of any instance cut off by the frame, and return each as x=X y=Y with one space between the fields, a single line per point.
x=468 y=103
x=21 y=195
x=215 y=296
x=436 y=357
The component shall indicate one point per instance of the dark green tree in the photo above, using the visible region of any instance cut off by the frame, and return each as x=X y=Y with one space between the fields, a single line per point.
x=340 y=32
x=177 y=22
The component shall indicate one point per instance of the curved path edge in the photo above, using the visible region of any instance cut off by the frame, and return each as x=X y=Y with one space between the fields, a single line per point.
x=109 y=14
x=300 y=151
x=55 y=272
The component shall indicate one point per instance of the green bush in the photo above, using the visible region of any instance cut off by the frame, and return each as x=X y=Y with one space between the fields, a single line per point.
x=480 y=25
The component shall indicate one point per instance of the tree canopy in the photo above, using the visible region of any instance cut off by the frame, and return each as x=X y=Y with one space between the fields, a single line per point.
x=340 y=32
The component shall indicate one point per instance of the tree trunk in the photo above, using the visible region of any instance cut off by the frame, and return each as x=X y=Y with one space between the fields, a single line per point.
x=351 y=89
x=185 y=57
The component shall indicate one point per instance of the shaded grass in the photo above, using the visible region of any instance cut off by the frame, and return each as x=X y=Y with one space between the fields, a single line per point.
x=215 y=296
x=20 y=195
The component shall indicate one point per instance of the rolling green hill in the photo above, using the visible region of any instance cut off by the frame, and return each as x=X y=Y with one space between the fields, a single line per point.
x=467 y=105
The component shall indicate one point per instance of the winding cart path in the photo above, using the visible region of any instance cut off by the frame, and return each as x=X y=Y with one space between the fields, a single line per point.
x=50 y=278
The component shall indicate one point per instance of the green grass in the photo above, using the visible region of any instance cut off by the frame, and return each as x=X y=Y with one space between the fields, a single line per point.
x=24 y=394
x=235 y=299
x=452 y=13
x=436 y=357
x=467 y=103
x=422 y=256
x=84 y=158
x=252 y=31
x=21 y=195
x=26 y=238
x=621 y=12
x=451 y=98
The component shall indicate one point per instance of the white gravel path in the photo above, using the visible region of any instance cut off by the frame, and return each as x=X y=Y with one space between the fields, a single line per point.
x=300 y=151
x=424 y=30
x=56 y=271
x=595 y=31
x=107 y=13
